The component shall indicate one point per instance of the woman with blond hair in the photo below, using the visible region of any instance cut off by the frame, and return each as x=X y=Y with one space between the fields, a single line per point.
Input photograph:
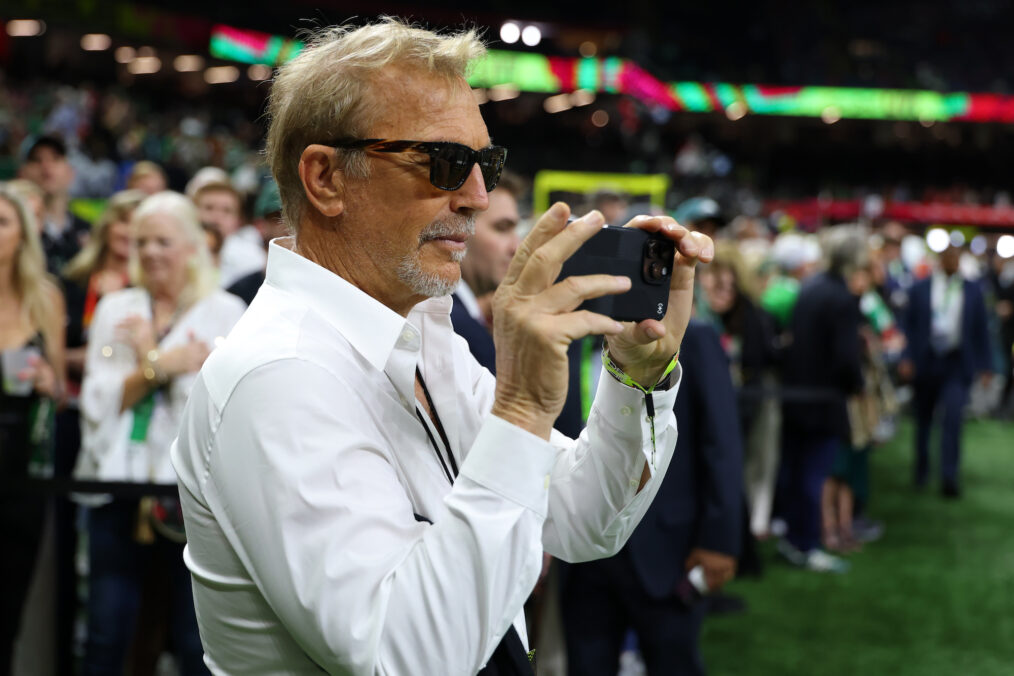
x=145 y=347
x=31 y=369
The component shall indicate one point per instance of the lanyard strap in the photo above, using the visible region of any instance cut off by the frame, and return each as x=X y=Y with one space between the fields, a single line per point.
x=453 y=472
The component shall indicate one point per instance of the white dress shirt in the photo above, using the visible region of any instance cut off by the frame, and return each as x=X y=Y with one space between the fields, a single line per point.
x=242 y=254
x=464 y=293
x=947 y=300
x=302 y=463
x=107 y=454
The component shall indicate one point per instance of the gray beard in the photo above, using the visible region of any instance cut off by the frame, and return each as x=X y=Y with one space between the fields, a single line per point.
x=430 y=284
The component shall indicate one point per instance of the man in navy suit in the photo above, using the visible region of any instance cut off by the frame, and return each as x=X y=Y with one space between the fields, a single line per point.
x=489 y=255
x=694 y=520
x=948 y=344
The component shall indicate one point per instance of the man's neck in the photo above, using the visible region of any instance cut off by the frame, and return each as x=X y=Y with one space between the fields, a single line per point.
x=56 y=211
x=341 y=257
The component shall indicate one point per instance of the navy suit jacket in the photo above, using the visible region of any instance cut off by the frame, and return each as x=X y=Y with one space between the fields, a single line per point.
x=478 y=337
x=918 y=321
x=700 y=501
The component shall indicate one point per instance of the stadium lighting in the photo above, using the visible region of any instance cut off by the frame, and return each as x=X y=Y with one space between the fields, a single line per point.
x=510 y=32
x=600 y=118
x=582 y=97
x=735 y=110
x=25 y=28
x=96 y=42
x=830 y=115
x=188 y=63
x=558 y=103
x=258 y=72
x=503 y=92
x=147 y=51
x=978 y=245
x=1005 y=246
x=588 y=49
x=937 y=240
x=144 y=65
x=957 y=238
x=124 y=54
x=531 y=36
x=221 y=74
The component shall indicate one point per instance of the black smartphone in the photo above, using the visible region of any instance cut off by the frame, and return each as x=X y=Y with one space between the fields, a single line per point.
x=646 y=258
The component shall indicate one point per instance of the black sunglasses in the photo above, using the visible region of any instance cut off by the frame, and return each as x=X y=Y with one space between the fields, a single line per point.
x=450 y=163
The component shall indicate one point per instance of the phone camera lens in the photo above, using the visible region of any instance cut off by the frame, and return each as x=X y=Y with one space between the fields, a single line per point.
x=652 y=248
x=658 y=270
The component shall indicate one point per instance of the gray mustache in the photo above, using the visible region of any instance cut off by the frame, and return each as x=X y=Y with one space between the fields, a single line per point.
x=458 y=226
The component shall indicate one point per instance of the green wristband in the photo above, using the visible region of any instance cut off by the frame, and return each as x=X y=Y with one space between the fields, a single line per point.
x=616 y=372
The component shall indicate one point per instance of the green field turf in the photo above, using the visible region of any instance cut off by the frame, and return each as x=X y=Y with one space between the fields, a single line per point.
x=934 y=596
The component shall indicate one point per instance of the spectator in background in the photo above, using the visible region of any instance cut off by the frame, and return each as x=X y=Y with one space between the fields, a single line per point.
x=268 y=221
x=490 y=251
x=695 y=520
x=612 y=204
x=748 y=338
x=947 y=346
x=220 y=206
x=145 y=347
x=31 y=338
x=702 y=214
x=63 y=233
x=147 y=177
x=33 y=197
x=824 y=357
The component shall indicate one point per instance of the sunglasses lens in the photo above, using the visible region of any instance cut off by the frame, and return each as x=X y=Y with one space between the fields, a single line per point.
x=491 y=161
x=449 y=166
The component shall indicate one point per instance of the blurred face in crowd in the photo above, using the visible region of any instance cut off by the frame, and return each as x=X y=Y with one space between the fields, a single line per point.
x=149 y=183
x=859 y=281
x=118 y=237
x=163 y=250
x=49 y=170
x=491 y=249
x=409 y=237
x=271 y=226
x=719 y=284
x=220 y=208
x=10 y=232
x=950 y=259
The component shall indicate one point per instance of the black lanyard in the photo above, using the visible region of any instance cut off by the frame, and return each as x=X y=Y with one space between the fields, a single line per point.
x=451 y=473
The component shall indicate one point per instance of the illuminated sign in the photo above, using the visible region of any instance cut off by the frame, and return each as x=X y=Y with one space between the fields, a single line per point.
x=538 y=73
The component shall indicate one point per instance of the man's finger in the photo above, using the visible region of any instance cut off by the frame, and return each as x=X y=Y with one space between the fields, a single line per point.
x=577 y=325
x=694 y=247
x=567 y=294
x=551 y=223
x=545 y=262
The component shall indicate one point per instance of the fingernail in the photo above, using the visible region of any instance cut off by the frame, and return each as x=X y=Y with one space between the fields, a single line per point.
x=622 y=283
x=709 y=251
x=595 y=217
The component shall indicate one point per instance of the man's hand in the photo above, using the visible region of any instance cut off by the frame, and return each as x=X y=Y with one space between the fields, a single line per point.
x=535 y=320
x=718 y=568
x=643 y=350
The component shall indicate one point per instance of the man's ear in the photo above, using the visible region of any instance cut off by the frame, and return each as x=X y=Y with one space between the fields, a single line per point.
x=322 y=182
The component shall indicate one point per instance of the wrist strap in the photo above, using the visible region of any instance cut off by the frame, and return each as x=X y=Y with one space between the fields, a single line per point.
x=617 y=373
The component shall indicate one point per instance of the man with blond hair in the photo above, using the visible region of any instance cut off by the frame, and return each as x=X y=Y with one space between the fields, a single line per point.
x=360 y=496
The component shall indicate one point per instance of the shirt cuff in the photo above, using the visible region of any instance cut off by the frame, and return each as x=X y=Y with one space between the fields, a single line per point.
x=623 y=409
x=513 y=463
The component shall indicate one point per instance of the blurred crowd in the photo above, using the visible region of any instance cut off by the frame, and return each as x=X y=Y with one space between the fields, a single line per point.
x=804 y=349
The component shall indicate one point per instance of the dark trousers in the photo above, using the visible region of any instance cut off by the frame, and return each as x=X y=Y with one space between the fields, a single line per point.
x=118 y=570
x=21 y=519
x=807 y=460
x=943 y=386
x=601 y=600
x=65 y=451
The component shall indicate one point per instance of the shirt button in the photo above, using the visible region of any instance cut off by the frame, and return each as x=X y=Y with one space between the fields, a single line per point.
x=107 y=351
x=545 y=483
x=626 y=410
x=634 y=483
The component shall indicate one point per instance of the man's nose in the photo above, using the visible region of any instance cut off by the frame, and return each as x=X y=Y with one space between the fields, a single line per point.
x=472 y=195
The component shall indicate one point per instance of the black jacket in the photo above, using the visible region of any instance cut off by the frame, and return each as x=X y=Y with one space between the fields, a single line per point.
x=823 y=357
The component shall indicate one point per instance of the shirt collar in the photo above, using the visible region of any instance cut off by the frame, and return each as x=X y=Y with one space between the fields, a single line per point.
x=467 y=298
x=371 y=327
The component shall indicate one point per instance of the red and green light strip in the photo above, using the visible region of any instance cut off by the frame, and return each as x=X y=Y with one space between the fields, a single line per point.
x=531 y=72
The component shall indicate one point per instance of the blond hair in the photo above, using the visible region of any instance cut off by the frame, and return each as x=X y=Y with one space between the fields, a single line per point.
x=324 y=93
x=33 y=285
x=202 y=278
x=93 y=253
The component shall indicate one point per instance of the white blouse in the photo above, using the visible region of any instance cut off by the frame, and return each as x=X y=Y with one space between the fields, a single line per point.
x=107 y=453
